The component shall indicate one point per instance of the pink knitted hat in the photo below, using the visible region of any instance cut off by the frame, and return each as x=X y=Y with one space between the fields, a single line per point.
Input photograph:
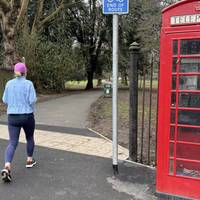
x=20 y=68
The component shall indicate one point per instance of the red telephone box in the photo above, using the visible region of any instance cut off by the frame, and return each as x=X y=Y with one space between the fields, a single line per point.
x=178 y=167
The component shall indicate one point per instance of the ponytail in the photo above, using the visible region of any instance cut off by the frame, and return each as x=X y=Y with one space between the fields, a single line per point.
x=18 y=74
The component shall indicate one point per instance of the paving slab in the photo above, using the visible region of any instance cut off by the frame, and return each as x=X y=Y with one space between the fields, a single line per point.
x=90 y=144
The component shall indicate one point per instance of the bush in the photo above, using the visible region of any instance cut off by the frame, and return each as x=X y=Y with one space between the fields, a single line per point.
x=50 y=64
x=5 y=76
x=50 y=67
x=47 y=62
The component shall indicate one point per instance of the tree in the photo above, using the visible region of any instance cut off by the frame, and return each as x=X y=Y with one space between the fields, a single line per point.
x=9 y=12
x=87 y=25
x=128 y=34
x=14 y=17
x=1 y=48
x=149 y=29
x=165 y=3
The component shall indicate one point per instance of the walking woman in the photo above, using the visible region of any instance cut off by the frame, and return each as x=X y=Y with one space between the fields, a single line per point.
x=20 y=97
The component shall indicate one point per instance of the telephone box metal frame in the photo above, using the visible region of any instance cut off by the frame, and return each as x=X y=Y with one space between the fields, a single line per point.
x=176 y=149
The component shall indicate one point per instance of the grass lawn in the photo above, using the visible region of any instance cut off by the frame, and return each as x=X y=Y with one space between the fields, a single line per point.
x=78 y=84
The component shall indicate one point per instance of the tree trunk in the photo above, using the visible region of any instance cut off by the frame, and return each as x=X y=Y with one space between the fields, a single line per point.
x=99 y=74
x=99 y=82
x=8 y=31
x=90 y=71
x=90 y=76
x=10 y=52
x=126 y=79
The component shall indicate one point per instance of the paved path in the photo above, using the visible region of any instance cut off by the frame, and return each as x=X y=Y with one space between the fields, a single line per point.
x=69 y=111
x=87 y=144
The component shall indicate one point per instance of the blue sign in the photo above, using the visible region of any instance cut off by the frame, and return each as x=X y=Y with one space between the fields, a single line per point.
x=115 y=6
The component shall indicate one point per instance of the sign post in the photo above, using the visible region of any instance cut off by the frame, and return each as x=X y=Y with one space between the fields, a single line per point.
x=116 y=8
x=115 y=91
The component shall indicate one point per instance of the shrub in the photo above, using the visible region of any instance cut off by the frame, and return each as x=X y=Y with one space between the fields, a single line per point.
x=46 y=61
x=5 y=76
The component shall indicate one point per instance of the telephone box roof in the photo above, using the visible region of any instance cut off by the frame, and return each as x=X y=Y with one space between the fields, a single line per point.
x=177 y=4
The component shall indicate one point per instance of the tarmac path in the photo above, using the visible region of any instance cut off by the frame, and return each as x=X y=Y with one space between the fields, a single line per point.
x=68 y=111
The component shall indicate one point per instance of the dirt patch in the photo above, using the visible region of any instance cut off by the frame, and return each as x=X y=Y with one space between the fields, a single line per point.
x=101 y=121
x=101 y=117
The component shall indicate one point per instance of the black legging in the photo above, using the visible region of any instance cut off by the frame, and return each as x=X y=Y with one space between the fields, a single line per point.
x=15 y=123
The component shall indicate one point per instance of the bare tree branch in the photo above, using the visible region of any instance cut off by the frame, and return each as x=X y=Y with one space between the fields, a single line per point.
x=15 y=6
x=55 y=4
x=22 y=13
x=38 y=15
x=53 y=14
x=4 y=6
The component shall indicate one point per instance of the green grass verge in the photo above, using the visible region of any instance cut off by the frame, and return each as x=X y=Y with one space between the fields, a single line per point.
x=78 y=84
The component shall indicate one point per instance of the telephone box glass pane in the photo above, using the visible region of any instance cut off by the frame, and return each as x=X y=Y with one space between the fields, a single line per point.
x=189 y=83
x=171 y=167
x=189 y=134
x=172 y=132
x=190 y=47
x=173 y=116
x=175 y=47
x=190 y=100
x=174 y=65
x=173 y=99
x=189 y=117
x=190 y=169
x=171 y=149
x=173 y=82
x=187 y=151
x=190 y=65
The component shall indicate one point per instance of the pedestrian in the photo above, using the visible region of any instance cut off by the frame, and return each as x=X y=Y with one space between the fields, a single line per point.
x=20 y=97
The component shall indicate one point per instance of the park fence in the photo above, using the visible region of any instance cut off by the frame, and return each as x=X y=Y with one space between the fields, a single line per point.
x=147 y=116
x=143 y=109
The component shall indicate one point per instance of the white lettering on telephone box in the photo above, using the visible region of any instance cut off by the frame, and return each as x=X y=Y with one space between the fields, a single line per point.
x=185 y=19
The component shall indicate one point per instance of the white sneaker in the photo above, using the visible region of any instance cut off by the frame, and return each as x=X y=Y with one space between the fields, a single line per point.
x=5 y=175
x=30 y=164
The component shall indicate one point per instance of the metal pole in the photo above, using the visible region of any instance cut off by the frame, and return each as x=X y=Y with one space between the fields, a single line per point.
x=143 y=114
x=114 y=96
x=150 y=111
x=133 y=111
